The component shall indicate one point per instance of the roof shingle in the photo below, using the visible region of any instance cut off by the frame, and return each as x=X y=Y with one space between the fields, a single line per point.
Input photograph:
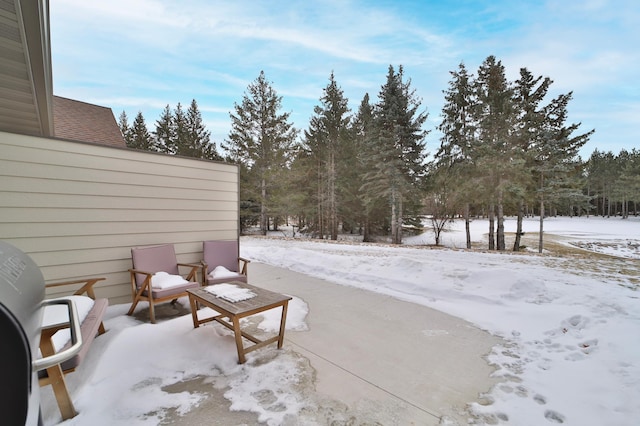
x=84 y=122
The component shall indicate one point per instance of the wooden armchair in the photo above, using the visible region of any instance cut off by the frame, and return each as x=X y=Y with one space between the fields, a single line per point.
x=148 y=261
x=91 y=325
x=224 y=254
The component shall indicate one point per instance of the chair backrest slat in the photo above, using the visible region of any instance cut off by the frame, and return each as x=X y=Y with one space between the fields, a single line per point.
x=221 y=253
x=154 y=259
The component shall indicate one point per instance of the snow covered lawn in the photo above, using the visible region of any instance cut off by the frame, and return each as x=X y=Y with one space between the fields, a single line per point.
x=571 y=324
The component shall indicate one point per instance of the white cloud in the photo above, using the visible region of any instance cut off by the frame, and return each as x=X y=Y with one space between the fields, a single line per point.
x=211 y=51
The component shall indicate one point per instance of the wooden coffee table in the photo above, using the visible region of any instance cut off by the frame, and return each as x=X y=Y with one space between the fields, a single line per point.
x=263 y=301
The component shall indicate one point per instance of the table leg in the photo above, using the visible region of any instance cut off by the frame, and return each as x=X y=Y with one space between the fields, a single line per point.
x=194 y=311
x=238 y=333
x=283 y=320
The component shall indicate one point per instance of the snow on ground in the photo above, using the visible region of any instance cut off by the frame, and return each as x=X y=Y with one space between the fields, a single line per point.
x=570 y=324
x=571 y=352
x=126 y=378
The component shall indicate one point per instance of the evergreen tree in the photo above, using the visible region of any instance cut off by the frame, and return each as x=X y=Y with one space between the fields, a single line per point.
x=198 y=140
x=327 y=141
x=302 y=179
x=601 y=173
x=371 y=214
x=529 y=92
x=140 y=136
x=628 y=184
x=165 y=132
x=261 y=138
x=557 y=155
x=399 y=166
x=455 y=158
x=180 y=131
x=495 y=153
x=125 y=129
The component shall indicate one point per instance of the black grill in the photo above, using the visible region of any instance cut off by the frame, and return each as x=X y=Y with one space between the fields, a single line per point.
x=22 y=292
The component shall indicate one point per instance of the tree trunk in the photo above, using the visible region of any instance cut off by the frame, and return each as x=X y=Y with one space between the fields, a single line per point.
x=396 y=218
x=492 y=241
x=333 y=208
x=467 y=225
x=263 y=207
x=500 y=235
x=366 y=233
x=393 y=221
x=541 y=234
x=320 y=209
x=519 y=233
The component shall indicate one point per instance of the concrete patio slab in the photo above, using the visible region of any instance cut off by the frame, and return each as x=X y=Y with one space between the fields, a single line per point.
x=410 y=363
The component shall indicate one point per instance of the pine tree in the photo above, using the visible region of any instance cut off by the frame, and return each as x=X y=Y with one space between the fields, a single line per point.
x=455 y=158
x=495 y=153
x=327 y=140
x=302 y=179
x=399 y=166
x=356 y=167
x=627 y=186
x=180 y=131
x=556 y=155
x=165 y=132
x=529 y=92
x=125 y=129
x=369 y=215
x=261 y=138
x=601 y=171
x=198 y=140
x=140 y=136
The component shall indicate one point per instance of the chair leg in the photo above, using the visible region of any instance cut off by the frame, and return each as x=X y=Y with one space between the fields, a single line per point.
x=133 y=307
x=61 y=393
x=55 y=378
x=137 y=297
x=152 y=312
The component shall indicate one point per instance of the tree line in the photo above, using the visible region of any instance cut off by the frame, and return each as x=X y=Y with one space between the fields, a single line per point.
x=505 y=150
x=177 y=132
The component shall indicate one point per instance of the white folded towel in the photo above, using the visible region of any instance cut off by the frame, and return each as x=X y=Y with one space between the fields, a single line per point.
x=163 y=280
x=230 y=292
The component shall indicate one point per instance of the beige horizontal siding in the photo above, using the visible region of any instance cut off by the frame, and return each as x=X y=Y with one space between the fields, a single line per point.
x=78 y=209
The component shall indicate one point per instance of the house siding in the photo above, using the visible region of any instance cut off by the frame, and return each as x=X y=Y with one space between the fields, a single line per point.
x=77 y=208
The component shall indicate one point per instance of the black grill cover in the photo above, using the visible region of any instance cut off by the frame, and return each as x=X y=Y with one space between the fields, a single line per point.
x=21 y=295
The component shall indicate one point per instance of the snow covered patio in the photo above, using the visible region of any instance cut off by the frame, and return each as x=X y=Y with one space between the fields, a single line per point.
x=369 y=340
x=390 y=361
x=355 y=355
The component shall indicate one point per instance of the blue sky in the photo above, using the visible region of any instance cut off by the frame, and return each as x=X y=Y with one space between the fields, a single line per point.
x=140 y=55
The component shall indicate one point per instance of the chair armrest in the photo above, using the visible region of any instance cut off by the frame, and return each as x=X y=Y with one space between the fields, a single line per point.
x=138 y=271
x=245 y=262
x=46 y=345
x=193 y=274
x=87 y=286
x=190 y=265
